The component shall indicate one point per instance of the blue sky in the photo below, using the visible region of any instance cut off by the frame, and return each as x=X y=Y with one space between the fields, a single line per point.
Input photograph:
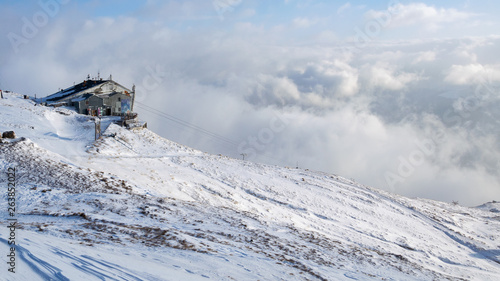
x=361 y=85
x=338 y=17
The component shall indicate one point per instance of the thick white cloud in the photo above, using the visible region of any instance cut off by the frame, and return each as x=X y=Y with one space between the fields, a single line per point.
x=421 y=13
x=275 y=90
x=422 y=19
x=473 y=74
x=426 y=56
x=342 y=77
x=385 y=76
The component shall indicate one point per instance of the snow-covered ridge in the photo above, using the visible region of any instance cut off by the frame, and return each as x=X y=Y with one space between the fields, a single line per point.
x=92 y=209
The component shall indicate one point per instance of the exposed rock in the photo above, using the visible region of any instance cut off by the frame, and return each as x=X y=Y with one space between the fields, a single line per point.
x=9 y=135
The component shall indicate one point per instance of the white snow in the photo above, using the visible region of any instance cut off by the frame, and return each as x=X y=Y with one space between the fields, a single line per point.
x=135 y=206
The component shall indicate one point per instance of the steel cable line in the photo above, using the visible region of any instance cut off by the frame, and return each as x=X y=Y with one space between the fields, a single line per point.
x=186 y=124
x=210 y=134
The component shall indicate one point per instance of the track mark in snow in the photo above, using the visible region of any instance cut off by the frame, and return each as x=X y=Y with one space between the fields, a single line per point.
x=54 y=135
x=324 y=217
x=242 y=266
x=101 y=269
x=42 y=268
x=493 y=255
x=272 y=200
x=448 y=261
x=349 y=275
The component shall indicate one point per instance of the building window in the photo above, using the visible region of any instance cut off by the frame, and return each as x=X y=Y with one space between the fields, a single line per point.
x=87 y=102
x=119 y=99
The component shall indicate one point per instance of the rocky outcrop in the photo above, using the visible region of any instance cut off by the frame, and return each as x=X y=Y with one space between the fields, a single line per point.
x=9 y=135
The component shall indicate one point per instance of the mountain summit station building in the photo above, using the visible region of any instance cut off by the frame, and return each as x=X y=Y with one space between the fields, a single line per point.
x=96 y=97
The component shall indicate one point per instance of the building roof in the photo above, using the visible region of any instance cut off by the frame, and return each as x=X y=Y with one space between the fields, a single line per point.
x=87 y=84
x=82 y=98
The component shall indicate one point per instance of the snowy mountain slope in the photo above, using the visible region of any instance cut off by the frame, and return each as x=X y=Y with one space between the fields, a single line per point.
x=135 y=206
